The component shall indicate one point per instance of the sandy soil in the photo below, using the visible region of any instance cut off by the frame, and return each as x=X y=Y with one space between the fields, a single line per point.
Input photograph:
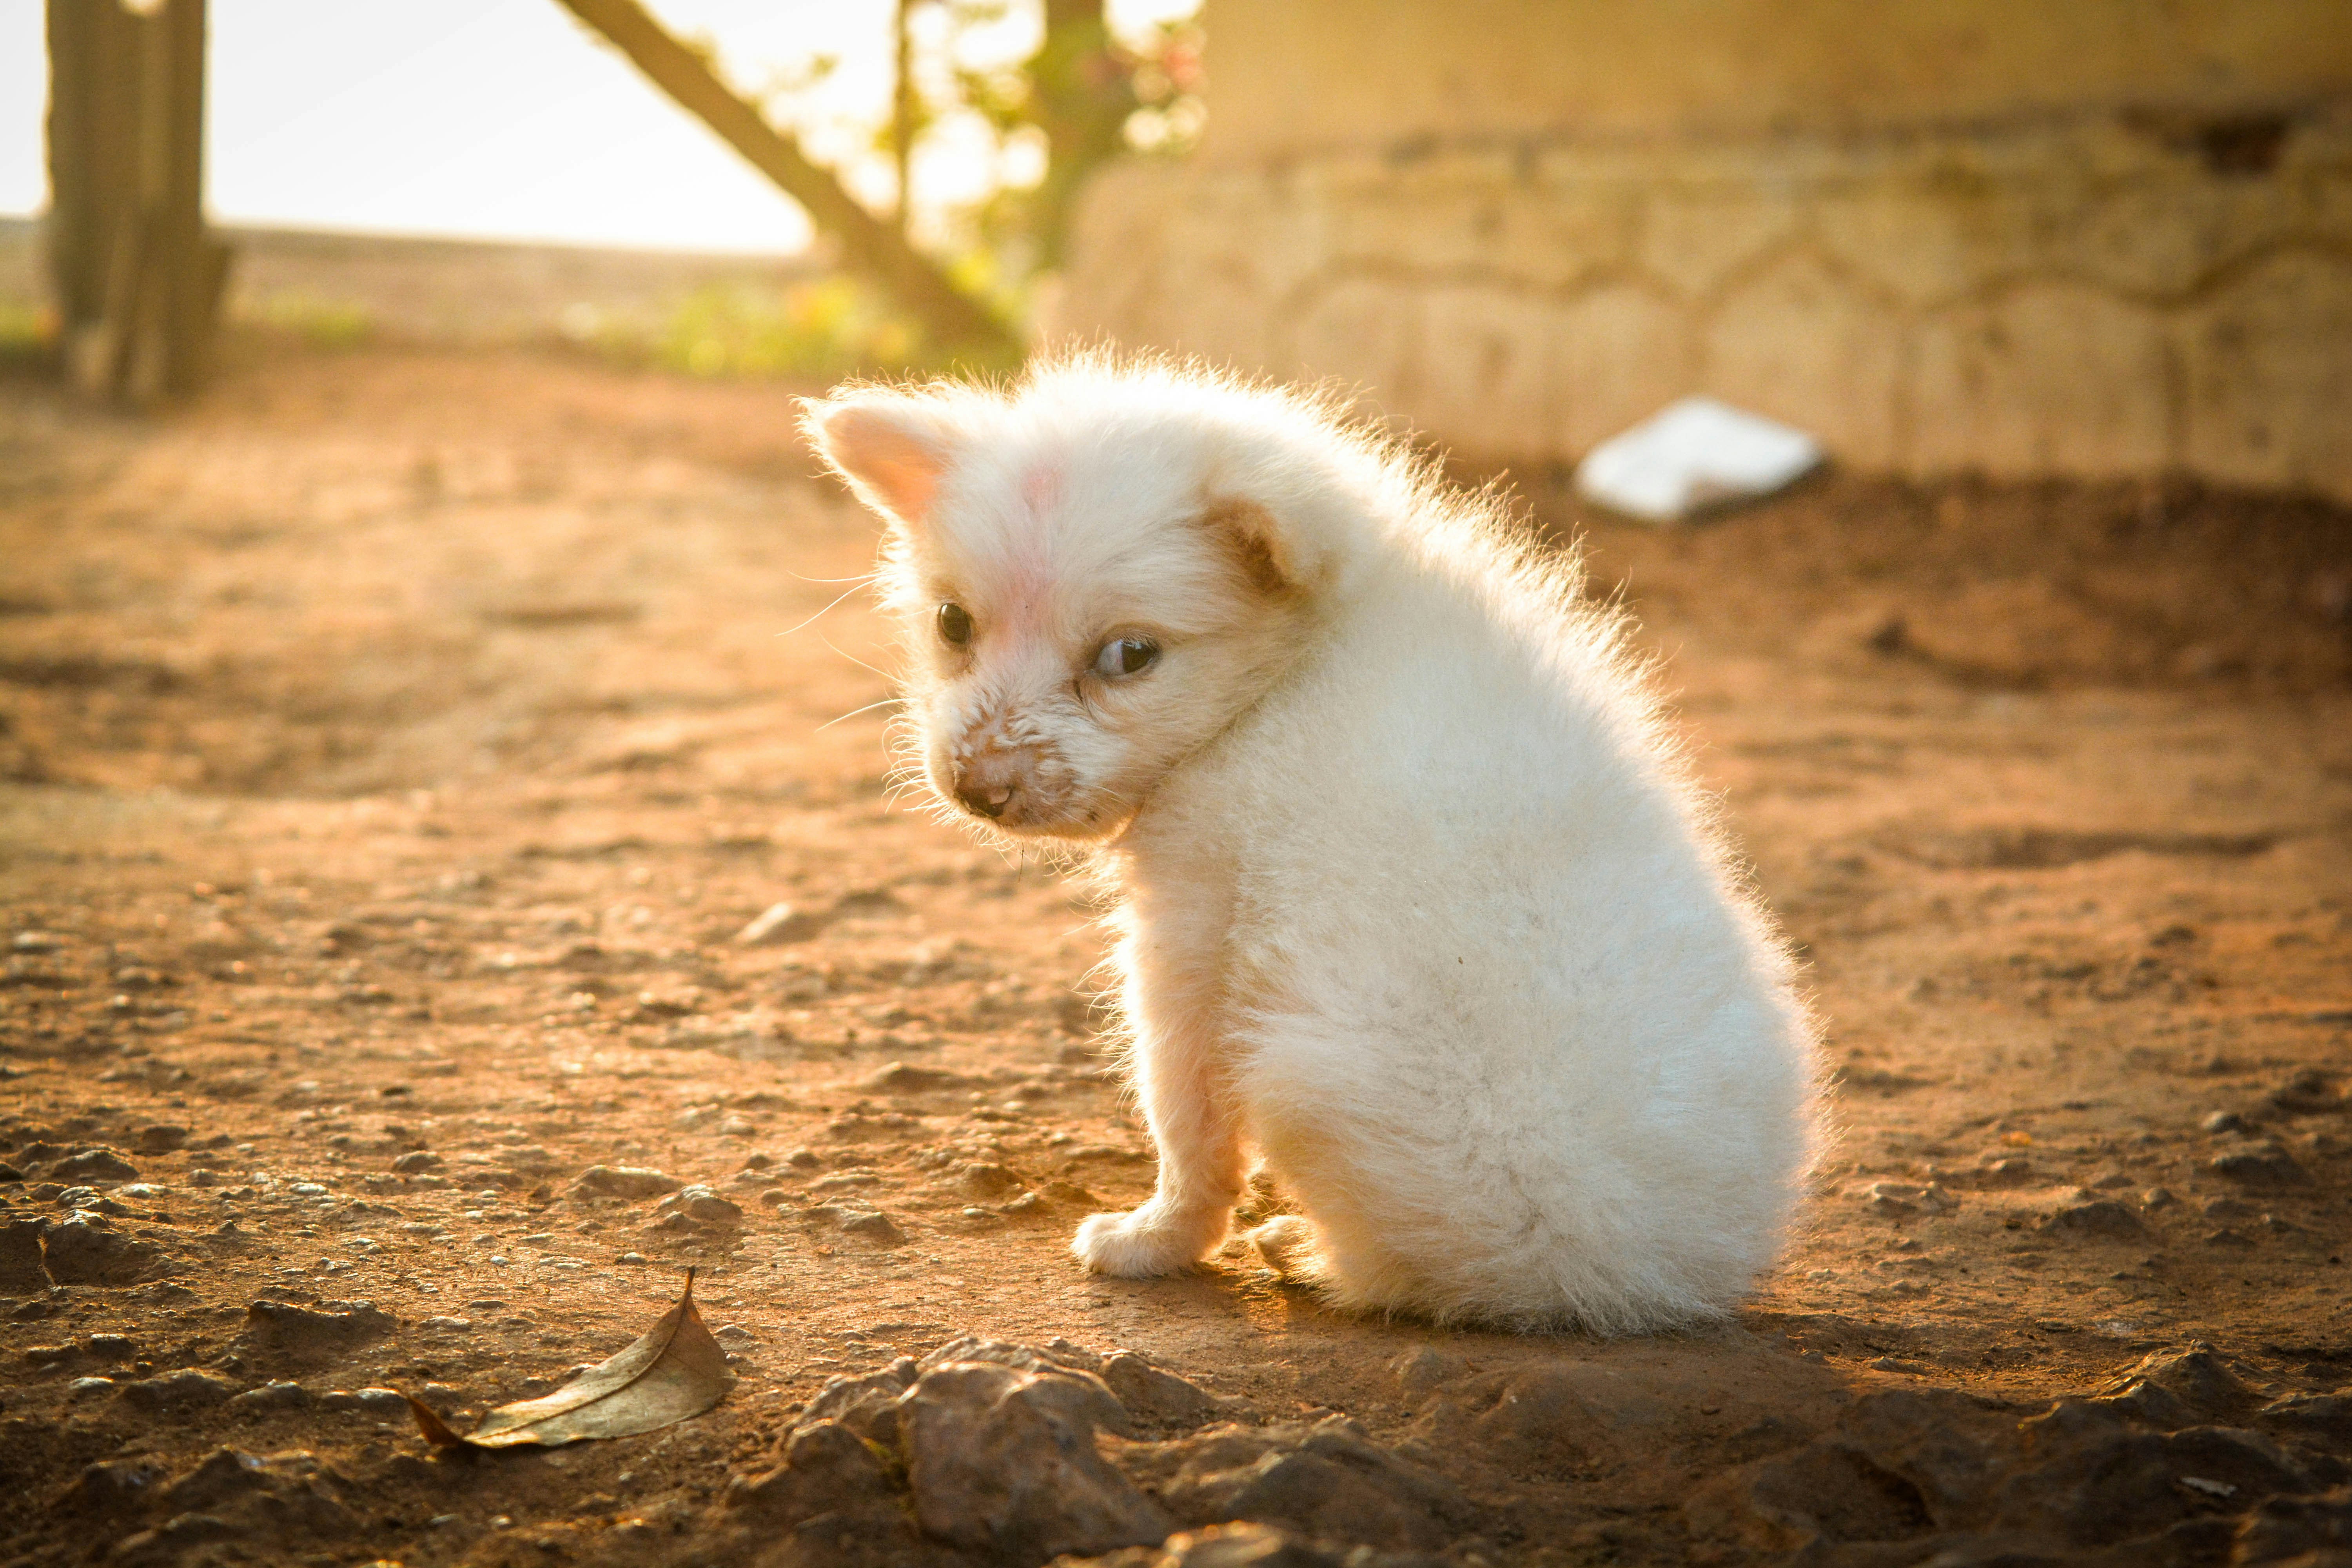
x=396 y=742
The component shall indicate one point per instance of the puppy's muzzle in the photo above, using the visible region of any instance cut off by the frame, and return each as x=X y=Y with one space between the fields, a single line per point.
x=992 y=781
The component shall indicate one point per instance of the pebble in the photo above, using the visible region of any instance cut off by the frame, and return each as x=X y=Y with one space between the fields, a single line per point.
x=2266 y=1165
x=2104 y=1218
x=95 y=1165
x=188 y=1389
x=779 y=923
x=630 y=1181
x=273 y=1396
x=700 y=1205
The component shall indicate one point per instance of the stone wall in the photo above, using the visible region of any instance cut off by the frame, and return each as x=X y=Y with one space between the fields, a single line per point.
x=2110 y=289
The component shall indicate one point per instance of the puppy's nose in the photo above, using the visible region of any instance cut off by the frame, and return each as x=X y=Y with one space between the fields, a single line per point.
x=988 y=784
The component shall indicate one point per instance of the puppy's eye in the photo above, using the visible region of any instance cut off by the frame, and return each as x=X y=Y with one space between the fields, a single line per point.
x=1125 y=656
x=955 y=625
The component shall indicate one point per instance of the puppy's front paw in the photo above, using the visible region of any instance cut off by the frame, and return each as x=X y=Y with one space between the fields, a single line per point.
x=1143 y=1242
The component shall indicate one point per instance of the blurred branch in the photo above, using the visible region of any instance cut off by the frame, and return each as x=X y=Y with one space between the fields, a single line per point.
x=867 y=243
x=1081 y=93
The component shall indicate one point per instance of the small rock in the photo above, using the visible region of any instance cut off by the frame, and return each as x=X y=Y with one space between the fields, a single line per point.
x=2225 y=1123
x=94 y=1166
x=113 y=1489
x=988 y=1181
x=2226 y=1237
x=867 y=1406
x=161 y=1138
x=2310 y=1093
x=330 y=1328
x=1153 y=1396
x=1424 y=1370
x=2266 y=1166
x=776 y=924
x=700 y=1205
x=899 y=1079
x=187 y=1390
x=1325 y=1482
x=805 y=1159
x=416 y=1161
x=1003 y=1461
x=2158 y=1198
x=2104 y=1218
x=22 y=1271
x=82 y=1386
x=628 y=1182
x=874 y=1226
x=82 y=1250
x=272 y=1399
x=826 y=1469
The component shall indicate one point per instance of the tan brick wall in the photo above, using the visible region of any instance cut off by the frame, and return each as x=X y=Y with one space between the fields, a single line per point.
x=2095 y=291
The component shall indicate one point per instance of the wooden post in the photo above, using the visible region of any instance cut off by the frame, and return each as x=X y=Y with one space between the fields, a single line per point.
x=952 y=317
x=138 y=278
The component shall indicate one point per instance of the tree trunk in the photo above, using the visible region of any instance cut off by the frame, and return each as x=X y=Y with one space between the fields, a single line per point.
x=953 y=318
x=138 y=278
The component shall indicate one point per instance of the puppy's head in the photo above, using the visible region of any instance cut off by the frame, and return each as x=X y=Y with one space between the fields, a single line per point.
x=1091 y=580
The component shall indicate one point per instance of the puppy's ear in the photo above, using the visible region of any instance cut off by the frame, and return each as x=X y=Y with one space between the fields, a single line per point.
x=1282 y=558
x=891 y=449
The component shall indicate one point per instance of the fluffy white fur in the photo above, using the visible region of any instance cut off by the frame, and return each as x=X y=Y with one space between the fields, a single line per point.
x=1418 y=904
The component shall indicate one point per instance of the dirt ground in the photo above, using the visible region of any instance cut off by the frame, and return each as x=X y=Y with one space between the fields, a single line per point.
x=397 y=741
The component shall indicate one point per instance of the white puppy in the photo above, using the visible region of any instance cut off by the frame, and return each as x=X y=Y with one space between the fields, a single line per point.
x=1417 y=899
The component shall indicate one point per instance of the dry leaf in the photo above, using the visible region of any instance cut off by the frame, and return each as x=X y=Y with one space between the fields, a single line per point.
x=676 y=1370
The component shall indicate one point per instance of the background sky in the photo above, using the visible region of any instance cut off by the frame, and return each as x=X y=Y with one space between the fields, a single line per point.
x=504 y=119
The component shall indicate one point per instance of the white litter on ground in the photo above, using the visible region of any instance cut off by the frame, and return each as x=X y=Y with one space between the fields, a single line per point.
x=1693 y=455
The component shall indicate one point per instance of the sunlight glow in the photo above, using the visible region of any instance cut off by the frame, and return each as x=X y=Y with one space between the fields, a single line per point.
x=506 y=119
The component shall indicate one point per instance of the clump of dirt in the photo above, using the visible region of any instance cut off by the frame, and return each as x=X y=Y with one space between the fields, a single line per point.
x=449 y=889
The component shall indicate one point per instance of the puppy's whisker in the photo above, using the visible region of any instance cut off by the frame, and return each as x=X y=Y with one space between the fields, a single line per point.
x=845 y=593
x=852 y=658
x=854 y=712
